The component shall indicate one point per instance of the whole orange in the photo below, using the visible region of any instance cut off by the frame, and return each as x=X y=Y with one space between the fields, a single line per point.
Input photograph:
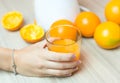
x=64 y=32
x=64 y=29
x=87 y=23
x=107 y=35
x=112 y=11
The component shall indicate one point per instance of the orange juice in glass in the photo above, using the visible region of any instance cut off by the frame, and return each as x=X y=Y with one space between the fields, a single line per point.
x=65 y=39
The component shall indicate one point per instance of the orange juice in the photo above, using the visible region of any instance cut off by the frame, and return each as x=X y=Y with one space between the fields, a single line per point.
x=65 y=46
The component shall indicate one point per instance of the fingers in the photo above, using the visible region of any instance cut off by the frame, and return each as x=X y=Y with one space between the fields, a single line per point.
x=60 y=73
x=61 y=65
x=59 y=57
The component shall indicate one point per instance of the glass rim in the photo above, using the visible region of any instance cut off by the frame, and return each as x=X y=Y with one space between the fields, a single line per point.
x=47 y=33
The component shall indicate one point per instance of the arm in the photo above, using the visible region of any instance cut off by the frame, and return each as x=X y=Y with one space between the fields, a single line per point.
x=5 y=59
x=34 y=60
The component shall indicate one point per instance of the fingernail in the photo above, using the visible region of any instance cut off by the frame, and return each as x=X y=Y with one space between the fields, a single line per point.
x=79 y=62
x=69 y=74
x=76 y=68
x=73 y=56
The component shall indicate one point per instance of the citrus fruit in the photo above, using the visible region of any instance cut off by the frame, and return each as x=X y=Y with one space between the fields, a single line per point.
x=32 y=33
x=61 y=22
x=107 y=35
x=87 y=22
x=112 y=11
x=64 y=29
x=12 y=20
x=64 y=32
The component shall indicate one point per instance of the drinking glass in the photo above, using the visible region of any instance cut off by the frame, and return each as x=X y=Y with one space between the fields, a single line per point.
x=64 y=39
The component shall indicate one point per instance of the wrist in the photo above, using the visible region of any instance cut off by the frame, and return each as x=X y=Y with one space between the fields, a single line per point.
x=5 y=59
x=14 y=60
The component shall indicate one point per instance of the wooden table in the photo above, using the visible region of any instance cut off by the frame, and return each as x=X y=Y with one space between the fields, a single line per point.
x=98 y=66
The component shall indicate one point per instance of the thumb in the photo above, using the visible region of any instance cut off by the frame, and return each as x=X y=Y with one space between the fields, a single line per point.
x=41 y=44
x=44 y=42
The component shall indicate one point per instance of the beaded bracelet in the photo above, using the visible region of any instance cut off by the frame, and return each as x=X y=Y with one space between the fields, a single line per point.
x=13 y=63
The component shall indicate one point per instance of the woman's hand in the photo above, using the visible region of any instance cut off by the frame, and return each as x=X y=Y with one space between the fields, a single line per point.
x=35 y=60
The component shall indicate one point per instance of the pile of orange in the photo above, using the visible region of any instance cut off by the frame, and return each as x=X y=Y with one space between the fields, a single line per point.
x=107 y=34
